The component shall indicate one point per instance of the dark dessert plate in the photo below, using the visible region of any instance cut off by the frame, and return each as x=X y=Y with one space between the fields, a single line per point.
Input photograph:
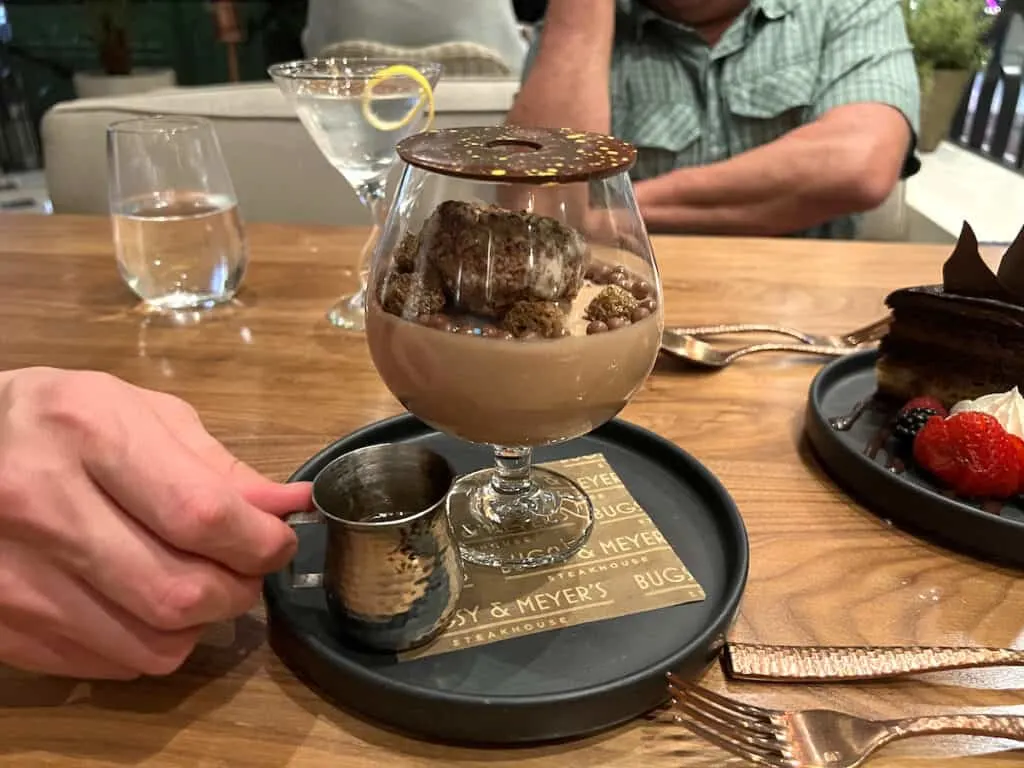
x=551 y=685
x=863 y=465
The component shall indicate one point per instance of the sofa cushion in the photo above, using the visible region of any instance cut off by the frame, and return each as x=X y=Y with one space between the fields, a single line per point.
x=278 y=173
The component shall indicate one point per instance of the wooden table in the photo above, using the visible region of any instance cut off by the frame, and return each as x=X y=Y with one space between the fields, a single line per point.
x=276 y=383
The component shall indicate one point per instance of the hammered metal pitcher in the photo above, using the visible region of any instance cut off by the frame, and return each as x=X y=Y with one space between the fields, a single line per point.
x=391 y=574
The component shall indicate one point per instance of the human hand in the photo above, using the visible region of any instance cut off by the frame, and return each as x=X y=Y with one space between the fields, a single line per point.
x=125 y=527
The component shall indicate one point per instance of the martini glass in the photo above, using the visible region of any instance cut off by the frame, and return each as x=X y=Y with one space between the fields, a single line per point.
x=356 y=110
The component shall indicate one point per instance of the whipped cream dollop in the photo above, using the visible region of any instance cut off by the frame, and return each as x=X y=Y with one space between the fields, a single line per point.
x=1005 y=407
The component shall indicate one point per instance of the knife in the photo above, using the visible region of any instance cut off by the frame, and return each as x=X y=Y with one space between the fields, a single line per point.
x=788 y=663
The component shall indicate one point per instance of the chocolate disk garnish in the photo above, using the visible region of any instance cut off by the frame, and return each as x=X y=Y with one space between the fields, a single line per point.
x=519 y=155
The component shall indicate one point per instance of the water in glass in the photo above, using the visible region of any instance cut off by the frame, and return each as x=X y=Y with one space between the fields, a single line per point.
x=181 y=250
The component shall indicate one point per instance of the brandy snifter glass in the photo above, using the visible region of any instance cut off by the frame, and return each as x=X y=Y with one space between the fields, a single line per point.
x=514 y=302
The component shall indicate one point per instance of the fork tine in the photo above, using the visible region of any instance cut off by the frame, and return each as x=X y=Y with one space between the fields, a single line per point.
x=732 y=748
x=731 y=706
x=738 y=719
x=727 y=719
x=870 y=332
x=767 y=746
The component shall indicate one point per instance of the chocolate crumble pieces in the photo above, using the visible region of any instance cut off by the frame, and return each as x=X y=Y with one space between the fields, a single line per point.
x=612 y=302
x=541 y=318
x=410 y=295
x=480 y=270
x=406 y=255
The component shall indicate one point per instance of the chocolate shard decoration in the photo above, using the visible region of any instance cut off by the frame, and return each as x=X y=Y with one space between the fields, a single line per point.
x=965 y=273
x=1011 y=268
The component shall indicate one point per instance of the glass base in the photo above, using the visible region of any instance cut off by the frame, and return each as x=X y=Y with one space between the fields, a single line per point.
x=349 y=312
x=546 y=525
x=185 y=301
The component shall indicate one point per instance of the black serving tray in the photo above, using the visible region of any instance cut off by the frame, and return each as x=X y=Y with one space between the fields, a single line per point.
x=552 y=685
x=909 y=498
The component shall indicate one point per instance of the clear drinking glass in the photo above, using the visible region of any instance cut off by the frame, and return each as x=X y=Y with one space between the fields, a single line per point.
x=515 y=303
x=178 y=235
x=355 y=118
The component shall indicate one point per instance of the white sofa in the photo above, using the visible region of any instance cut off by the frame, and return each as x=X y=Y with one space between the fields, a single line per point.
x=278 y=172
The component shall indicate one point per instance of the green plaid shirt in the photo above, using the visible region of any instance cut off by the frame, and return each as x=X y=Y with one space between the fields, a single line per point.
x=782 y=64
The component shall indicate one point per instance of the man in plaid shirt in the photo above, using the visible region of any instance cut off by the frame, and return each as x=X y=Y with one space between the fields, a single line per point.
x=751 y=117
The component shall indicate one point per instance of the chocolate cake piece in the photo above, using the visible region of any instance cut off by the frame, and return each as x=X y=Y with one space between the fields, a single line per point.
x=490 y=258
x=961 y=339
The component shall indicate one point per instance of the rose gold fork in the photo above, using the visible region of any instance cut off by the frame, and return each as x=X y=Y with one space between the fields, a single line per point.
x=813 y=738
x=871 y=332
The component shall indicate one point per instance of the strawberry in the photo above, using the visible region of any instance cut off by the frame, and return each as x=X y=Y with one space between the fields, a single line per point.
x=932 y=403
x=934 y=451
x=1019 y=445
x=972 y=453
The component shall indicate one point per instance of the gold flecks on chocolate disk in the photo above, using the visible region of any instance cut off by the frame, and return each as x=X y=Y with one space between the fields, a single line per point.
x=562 y=154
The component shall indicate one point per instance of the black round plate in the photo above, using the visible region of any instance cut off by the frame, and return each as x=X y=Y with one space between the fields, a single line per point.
x=909 y=498
x=552 y=685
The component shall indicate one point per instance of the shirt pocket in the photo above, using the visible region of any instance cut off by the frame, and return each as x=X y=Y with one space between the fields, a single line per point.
x=666 y=135
x=770 y=106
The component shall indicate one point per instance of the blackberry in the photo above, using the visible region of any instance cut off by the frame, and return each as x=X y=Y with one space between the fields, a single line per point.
x=909 y=423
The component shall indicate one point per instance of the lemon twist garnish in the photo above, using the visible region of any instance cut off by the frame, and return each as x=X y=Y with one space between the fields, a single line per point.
x=398 y=70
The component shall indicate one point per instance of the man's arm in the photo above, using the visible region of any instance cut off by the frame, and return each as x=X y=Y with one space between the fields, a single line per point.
x=567 y=85
x=847 y=160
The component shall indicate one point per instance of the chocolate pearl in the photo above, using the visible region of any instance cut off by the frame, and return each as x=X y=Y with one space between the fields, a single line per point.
x=614 y=323
x=649 y=304
x=619 y=270
x=598 y=273
x=639 y=314
x=641 y=289
x=596 y=326
x=622 y=281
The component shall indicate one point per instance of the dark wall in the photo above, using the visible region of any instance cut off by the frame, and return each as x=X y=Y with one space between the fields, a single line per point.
x=51 y=40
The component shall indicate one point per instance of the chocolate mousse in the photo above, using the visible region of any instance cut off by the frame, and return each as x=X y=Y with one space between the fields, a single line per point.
x=521 y=351
x=962 y=339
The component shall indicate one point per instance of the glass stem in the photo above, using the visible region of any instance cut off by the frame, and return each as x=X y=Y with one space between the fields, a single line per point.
x=512 y=475
x=373 y=196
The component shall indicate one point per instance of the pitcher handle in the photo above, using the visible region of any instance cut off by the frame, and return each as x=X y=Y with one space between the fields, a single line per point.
x=304 y=580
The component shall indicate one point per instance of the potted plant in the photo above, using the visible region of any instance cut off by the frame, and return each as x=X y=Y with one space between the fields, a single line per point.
x=947 y=37
x=117 y=74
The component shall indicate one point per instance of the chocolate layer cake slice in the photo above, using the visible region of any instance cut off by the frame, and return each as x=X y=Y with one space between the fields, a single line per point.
x=961 y=339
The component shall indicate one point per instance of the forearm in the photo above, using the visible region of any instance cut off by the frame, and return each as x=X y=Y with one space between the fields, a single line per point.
x=815 y=173
x=568 y=84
